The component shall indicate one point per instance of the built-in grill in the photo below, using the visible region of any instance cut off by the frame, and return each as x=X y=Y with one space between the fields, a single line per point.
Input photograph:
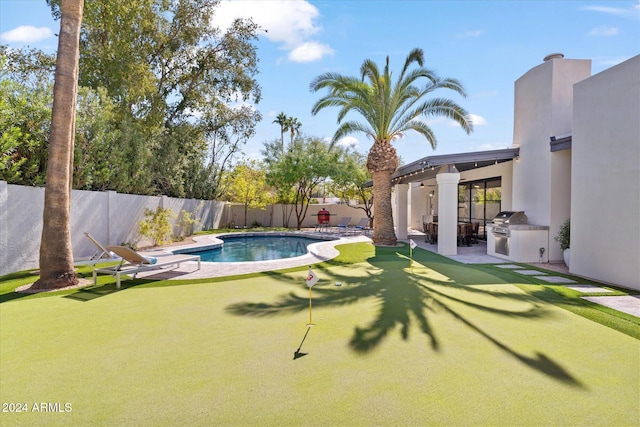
x=501 y=225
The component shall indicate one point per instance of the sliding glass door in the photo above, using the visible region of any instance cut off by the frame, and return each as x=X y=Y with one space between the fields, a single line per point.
x=479 y=201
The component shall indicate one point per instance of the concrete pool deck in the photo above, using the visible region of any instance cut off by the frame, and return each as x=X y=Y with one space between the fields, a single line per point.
x=318 y=252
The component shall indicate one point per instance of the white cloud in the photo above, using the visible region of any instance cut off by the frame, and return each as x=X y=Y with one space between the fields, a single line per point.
x=289 y=23
x=309 y=52
x=604 y=30
x=435 y=121
x=348 y=141
x=632 y=12
x=26 y=34
x=468 y=34
x=478 y=120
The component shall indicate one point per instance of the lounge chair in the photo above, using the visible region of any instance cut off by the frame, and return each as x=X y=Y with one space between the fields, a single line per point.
x=343 y=224
x=133 y=263
x=362 y=226
x=102 y=252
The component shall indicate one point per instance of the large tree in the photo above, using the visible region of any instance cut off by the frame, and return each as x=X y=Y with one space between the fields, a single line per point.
x=299 y=171
x=350 y=183
x=56 y=256
x=180 y=88
x=26 y=86
x=389 y=109
x=248 y=185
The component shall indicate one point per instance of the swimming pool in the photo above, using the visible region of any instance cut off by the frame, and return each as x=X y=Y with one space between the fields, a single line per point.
x=255 y=248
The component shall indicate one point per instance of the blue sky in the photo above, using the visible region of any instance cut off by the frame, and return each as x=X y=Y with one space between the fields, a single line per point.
x=485 y=44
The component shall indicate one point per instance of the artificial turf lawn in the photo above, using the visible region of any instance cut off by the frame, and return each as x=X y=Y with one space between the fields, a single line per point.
x=439 y=344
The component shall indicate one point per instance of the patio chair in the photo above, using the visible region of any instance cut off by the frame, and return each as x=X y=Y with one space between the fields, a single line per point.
x=343 y=224
x=101 y=252
x=474 y=232
x=362 y=226
x=134 y=263
x=432 y=233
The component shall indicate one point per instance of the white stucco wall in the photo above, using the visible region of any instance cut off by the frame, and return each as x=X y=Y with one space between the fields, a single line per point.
x=543 y=108
x=419 y=198
x=605 y=197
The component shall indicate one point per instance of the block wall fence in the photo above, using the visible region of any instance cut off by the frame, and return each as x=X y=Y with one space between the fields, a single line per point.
x=112 y=218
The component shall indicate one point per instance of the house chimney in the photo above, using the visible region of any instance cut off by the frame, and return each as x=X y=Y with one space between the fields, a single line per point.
x=553 y=56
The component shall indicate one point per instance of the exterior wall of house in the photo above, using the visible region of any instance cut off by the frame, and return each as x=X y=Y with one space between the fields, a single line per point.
x=543 y=108
x=605 y=194
x=420 y=202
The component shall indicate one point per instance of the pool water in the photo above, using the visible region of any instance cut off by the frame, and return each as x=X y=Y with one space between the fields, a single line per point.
x=257 y=248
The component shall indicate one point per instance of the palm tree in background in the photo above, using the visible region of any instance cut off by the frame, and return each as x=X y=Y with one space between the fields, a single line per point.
x=56 y=255
x=294 y=127
x=389 y=109
x=282 y=119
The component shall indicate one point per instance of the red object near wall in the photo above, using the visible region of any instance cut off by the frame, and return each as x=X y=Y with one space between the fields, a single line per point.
x=323 y=216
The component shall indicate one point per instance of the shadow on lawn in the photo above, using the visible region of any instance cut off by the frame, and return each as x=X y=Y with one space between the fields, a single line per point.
x=405 y=295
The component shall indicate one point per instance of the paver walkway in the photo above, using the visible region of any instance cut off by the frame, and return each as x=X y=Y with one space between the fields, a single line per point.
x=477 y=254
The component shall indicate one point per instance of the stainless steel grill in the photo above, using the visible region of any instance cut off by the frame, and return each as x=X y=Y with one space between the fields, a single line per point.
x=501 y=228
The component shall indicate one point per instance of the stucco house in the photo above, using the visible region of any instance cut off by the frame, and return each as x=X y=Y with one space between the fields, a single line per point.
x=575 y=154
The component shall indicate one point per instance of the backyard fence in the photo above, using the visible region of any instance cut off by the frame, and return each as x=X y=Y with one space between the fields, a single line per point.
x=113 y=218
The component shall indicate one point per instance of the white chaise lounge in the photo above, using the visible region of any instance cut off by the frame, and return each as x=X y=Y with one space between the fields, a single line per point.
x=133 y=263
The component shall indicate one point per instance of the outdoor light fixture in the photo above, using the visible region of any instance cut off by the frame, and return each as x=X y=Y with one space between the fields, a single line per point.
x=422 y=185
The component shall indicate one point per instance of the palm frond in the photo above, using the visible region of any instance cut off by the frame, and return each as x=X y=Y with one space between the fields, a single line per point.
x=390 y=108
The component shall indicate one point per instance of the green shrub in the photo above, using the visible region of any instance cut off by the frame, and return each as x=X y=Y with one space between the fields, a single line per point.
x=157 y=225
x=564 y=235
x=186 y=222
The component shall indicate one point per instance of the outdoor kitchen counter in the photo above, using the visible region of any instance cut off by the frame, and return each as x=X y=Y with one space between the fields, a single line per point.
x=521 y=227
x=525 y=241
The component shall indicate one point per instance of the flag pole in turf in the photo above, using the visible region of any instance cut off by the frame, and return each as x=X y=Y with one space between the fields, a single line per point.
x=312 y=279
x=412 y=245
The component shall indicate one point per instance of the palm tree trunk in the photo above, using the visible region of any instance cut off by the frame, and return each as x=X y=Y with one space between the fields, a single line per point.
x=383 y=231
x=56 y=255
x=382 y=161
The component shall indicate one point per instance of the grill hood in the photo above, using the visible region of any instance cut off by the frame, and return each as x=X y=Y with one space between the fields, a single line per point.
x=507 y=218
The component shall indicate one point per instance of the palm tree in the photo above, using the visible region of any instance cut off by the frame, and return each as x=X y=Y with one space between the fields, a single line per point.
x=282 y=119
x=56 y=256
x=389 y=109
x=294 y=127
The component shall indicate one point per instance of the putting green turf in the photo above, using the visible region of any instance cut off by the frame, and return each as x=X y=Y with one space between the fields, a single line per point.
x=438 y=344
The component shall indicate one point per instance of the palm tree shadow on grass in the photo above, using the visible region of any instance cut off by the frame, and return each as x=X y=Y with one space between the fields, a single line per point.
x=406 y=295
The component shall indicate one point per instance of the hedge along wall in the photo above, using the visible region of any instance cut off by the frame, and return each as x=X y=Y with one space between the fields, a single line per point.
x=111 y=218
